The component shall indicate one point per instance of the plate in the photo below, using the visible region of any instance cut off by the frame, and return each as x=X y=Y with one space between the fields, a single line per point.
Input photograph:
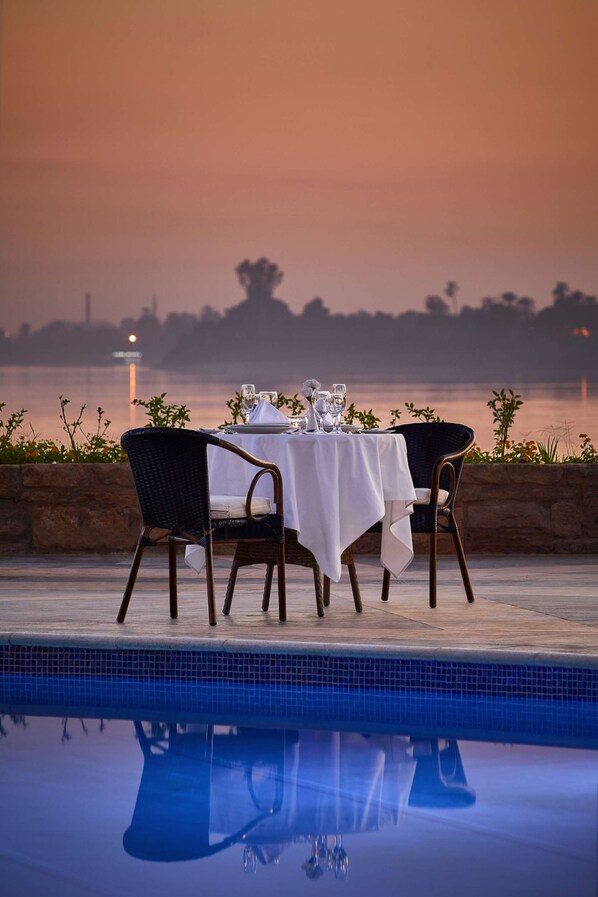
x=258 y=428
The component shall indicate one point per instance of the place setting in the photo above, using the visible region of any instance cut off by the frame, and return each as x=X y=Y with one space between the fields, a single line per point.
x=323 y=414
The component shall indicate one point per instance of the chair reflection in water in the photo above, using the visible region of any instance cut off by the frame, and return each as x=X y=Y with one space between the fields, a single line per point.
x=205 y=788
x=172 y=817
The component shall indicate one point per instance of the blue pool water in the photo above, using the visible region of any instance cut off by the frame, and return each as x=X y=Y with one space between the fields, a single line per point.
x=440 y=795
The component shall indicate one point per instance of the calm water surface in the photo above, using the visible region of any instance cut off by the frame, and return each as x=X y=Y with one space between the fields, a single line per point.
x=119 y=807
x=565 y=409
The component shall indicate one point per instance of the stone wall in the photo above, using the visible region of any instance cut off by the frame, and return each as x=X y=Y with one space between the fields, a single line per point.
x=502 y=508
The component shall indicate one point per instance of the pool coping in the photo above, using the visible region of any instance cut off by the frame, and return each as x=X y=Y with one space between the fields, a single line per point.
x=572 y=660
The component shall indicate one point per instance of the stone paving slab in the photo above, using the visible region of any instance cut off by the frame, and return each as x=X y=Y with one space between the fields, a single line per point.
x=527 y=609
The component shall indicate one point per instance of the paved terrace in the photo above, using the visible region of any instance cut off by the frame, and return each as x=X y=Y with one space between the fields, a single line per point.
x=534 y=609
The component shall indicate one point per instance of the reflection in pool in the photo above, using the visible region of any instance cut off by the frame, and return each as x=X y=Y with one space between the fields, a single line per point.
x=121 y=806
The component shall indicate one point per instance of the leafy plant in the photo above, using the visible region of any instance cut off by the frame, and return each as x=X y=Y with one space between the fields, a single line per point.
x=293 y=404
x=427 y=414
x=504 y=407
x=235 y=406
x=366 y=417
x=587 y=454
x=548 y=450
x=162 y=413
x=82 y=446
x=13 y=422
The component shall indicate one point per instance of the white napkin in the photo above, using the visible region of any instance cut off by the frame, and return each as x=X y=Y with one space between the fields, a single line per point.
x=265 y=413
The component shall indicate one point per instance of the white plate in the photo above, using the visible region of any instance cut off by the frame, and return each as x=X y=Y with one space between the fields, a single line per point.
x=346 y=428
x=258 y=428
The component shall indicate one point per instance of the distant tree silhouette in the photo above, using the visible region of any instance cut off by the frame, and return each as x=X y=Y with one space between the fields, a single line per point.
x=450 y=291
x=315 y=311
x=435 y=305
x=259 y=279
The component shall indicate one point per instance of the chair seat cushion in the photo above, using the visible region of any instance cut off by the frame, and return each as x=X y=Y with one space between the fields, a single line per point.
x=223 y=507
x=423 y=497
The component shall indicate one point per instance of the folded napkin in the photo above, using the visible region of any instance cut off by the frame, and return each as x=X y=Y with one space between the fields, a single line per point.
x=265 y=413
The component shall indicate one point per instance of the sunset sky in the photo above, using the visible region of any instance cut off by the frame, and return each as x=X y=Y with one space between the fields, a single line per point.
x=374 y=150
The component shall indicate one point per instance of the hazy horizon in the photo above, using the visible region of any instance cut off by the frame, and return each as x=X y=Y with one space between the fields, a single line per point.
x=374 y=151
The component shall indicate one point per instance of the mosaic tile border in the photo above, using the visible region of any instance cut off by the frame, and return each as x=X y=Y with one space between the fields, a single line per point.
x=313 y=671
x=525 y=720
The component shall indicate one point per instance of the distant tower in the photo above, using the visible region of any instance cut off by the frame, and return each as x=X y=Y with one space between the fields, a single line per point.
x=87 y=309
x=154 y=305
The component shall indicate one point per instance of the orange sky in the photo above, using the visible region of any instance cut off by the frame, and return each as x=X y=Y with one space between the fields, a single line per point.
x=374 y=150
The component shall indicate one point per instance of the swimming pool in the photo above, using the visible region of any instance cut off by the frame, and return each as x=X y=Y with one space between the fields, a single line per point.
x=113 y=787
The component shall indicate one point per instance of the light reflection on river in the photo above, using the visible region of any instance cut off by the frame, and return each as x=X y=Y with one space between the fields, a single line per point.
x=560 y=408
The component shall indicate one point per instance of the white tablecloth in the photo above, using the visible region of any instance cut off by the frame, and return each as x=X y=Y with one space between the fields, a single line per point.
x=335 y=488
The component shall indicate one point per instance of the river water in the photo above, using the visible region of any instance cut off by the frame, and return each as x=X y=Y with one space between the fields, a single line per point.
x=562 y=409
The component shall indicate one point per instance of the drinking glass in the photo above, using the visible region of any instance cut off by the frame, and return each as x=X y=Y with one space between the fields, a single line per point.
x=268 y=395
x=319 y=401
x=340 y=387
x=248 y=400
x=336 y=405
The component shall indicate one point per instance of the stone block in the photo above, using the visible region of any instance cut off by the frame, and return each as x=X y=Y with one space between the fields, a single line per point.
x=566 y=518
x=483 y=474
x=589 y=515
x=528 y=474
x=15 y=520
x=72 y=528
x=10 y=480
x=502 y=516
x=582 y=476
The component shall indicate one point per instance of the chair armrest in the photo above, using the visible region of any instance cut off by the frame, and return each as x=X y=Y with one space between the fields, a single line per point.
x=267 y=467
x=441 y=463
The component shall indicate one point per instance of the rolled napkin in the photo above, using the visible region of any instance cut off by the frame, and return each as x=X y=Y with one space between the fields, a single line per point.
x=265 y=413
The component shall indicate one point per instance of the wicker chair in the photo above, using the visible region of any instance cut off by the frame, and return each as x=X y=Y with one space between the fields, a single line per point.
x=295 y=553
x=436 y=452
x=170 y=471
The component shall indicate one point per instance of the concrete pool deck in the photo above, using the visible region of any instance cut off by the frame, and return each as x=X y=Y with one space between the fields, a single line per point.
x=528 y=609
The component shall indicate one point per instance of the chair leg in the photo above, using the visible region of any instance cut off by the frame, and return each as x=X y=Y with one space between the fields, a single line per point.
x=433 y=567
x=462 y=561
x=385 y=585
x=355 y=587
x=318 y=590
x=282 y=585
x=232 y=579
x=326 y=593
x=210 y=584
x=267 y=587
x=174 y=611
x=132 y=577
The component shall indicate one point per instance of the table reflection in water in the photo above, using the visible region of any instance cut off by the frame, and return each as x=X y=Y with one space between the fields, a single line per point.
x=205 y=788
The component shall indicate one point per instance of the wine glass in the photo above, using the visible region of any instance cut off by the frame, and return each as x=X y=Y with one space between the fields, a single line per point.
x=319 y=401
x=339 y=390
x=336 y=405
x=248 y=400
x=268 y=395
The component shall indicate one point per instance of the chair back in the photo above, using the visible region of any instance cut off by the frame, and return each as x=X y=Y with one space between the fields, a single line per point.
x=170 y=471
x=427 y=442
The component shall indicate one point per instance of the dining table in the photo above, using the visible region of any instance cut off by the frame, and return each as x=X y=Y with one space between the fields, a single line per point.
x=335 y=488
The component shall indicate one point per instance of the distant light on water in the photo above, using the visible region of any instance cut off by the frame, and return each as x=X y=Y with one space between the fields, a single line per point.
x=132 y=393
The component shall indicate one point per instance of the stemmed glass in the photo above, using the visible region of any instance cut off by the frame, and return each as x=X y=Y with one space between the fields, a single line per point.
x=248 y=400
x=336 y=405
x=319 y=401
x=339 y=401
x=268 y=395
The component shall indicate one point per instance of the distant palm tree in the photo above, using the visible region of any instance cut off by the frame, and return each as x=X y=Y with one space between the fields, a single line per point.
x=259 y=279
x=451 y=290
